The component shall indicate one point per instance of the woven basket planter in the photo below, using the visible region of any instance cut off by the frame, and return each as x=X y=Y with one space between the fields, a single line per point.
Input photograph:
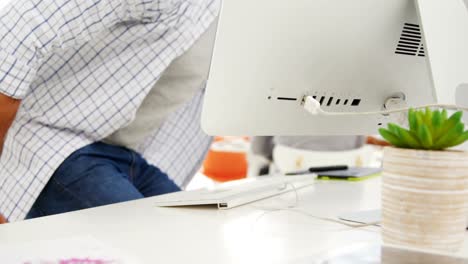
x=425 y=199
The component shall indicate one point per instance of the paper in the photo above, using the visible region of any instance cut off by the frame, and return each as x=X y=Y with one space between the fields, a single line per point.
x=77 y=250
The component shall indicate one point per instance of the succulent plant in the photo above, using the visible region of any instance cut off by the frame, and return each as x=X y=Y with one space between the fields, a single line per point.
x=428 y=130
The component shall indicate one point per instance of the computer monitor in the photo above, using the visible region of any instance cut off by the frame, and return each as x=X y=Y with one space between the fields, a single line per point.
x=352 y=56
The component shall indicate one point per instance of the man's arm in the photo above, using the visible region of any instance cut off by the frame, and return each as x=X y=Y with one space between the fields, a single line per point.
x=8 y=109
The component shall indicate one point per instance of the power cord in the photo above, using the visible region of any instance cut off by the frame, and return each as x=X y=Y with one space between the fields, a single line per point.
x=295 y=209
x=313 y=106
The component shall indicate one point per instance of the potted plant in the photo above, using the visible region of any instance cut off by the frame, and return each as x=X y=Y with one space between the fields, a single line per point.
x=425 y=183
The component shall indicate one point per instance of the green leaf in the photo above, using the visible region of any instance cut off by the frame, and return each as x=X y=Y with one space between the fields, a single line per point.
x=460 y=140
x=428 y=114
x=448 y=139
x=437 y=119
x=457 y=116
x=460 y=128
x=391 y=138
x=419 y=120
x=444 y=115
x=425 y=136
x=428 y=118
x=409 y=138
x=412 y=120
x=449 y=124
x=395 y=129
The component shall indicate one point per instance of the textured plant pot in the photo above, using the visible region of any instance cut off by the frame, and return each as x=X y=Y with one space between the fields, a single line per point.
x=425 y=199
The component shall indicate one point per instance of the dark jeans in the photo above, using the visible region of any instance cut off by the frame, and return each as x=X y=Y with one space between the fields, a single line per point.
x=100 y=174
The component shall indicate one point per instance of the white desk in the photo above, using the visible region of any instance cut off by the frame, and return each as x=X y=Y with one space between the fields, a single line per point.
x=206 y=235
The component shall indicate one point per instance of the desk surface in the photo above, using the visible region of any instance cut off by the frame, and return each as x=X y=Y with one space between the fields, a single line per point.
x=248 y=234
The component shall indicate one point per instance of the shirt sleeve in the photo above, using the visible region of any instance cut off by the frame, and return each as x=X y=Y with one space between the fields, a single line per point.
x=16 y=73
x=30 y=30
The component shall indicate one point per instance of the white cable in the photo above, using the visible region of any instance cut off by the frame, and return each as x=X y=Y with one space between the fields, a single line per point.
x=295 y=209
x=313 y=107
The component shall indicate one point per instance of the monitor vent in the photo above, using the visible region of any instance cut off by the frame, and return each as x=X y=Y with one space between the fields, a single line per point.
x=411 y=42
x=329 y=101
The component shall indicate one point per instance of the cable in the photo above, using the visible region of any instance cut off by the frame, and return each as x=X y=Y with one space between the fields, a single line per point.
x=333 y=220
x=295 y=209
x=313 y=107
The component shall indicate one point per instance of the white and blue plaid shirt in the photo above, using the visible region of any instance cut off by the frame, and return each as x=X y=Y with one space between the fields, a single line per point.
x=82 y=68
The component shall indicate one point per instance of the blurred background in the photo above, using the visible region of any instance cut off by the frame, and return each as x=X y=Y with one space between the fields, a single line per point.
x=234 y=158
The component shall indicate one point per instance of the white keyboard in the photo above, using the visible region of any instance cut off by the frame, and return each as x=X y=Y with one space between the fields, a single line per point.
x=237 y=193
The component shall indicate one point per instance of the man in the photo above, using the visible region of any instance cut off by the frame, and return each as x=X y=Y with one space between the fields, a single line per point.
x=88 y=93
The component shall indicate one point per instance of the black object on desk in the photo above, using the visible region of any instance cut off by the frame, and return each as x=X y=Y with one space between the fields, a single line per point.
x=319 y=169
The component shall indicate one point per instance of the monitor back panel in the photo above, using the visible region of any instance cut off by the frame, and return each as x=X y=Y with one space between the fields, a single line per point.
x=350 y=55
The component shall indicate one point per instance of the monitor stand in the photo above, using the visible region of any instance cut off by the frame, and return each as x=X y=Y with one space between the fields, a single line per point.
x=445 y=29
